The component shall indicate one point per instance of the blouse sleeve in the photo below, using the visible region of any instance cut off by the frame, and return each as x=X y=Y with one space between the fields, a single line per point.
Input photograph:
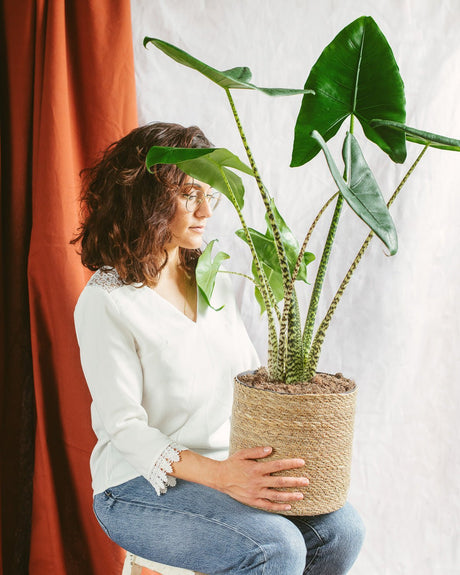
x=114 y=376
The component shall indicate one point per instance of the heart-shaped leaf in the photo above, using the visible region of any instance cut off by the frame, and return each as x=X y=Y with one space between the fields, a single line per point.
x=206 y=272
x=362 y=193
x=357 y=75
x=233 y=79
x=421 y=137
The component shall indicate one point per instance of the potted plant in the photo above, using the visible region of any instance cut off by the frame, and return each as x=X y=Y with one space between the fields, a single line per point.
x=288 y=404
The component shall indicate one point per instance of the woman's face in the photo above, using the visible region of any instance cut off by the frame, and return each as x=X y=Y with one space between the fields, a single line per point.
x=187 y=227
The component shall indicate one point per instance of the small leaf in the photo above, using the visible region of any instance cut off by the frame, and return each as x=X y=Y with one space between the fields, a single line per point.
x=421 y=137
x=363 y=194
x=233 y=79
x=268 y=257
x=206 y=272
x=291 y=245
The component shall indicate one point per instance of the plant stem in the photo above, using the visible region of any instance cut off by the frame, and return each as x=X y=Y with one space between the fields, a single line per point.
x=265 y=197
x=294 y=332
x=258 y=286
x=320 y=275
x=407 y=176
x=321 y=332
x=287 y=299
x=264 y=286
x=240 y=275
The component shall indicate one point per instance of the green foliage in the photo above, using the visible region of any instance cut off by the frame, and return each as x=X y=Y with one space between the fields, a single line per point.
x=266 y=251
x=421 y=137
x=356 y=77
x=363 y=195
x=207 y=271
x=233 y=79
x=207 y=165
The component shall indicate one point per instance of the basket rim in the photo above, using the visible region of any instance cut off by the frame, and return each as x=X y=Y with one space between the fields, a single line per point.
x=343 y=393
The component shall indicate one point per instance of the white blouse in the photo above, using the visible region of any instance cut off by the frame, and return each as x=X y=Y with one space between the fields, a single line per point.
x=160 y=382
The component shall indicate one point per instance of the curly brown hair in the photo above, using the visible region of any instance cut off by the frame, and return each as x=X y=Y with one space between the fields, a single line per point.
x=126 y=210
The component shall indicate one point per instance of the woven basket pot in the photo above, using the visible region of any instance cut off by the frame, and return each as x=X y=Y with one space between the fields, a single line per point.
x=315 y=427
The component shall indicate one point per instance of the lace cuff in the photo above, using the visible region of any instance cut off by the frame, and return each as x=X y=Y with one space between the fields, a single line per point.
x=158 y=475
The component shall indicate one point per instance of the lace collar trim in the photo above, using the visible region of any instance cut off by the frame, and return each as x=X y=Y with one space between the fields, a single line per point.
x=107 y=279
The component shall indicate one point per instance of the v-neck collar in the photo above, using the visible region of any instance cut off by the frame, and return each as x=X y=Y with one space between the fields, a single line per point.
x=177 y=310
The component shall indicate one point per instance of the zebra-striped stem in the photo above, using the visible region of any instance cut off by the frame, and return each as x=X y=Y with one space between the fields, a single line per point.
x=284 y=266
x=264 y=286
x=257 y=285
x=313 y=358
x=320 y=275
x=294 y=355
x=287 y=299
x=321 y=332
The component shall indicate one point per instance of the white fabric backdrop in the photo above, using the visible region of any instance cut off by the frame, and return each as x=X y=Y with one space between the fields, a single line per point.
x=396 y=331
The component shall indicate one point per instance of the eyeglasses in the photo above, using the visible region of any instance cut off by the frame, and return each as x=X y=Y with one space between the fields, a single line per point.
x=194 y=201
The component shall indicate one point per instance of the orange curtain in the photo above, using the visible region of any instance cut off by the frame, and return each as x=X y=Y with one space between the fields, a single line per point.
x=67 y=92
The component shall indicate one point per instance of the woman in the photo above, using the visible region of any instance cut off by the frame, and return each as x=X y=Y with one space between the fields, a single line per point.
x=159 y=364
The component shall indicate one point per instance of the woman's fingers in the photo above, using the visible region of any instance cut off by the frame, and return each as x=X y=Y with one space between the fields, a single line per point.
x=268 y=466
x=253 y=453
x=271 y=506
x=279 y=482
x=248 y=478
x=281 y=465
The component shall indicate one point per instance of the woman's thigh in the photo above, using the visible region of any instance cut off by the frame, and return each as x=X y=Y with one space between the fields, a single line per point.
x=199 y=528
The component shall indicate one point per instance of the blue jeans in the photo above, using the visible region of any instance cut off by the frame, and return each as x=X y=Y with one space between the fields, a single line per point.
x=199 y=528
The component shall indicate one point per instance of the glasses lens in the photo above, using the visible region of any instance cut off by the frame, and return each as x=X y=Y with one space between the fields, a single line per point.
x=191 y=203
x=214 y=200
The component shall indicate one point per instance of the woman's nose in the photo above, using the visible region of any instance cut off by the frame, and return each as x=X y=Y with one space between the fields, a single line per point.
x=204 y=209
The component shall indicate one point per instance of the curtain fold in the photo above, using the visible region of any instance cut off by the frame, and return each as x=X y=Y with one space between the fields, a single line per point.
x=17 y=410
x=71 y=92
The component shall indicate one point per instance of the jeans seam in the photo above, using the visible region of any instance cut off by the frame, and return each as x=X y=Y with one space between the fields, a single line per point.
x=208 y=519
x=311 y=563
x=100 y=521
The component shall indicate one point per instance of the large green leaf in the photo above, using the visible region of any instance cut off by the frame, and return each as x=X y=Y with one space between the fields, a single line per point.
x=206 y=272
x=208 y=165
x=362 y=194
x=421 y=137
x=235 y=78
x=357 y=75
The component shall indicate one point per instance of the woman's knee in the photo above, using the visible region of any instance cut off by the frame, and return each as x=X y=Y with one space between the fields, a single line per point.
x=340 y=537
x=286 y=551
x=349 y=530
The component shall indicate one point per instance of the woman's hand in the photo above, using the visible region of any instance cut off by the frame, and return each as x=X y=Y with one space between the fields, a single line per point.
x=250 y=481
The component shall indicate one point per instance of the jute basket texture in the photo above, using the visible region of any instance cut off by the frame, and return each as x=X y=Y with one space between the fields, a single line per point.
x=315 y=427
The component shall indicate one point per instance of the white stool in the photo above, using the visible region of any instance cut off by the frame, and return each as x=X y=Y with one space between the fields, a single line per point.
x=133 y=566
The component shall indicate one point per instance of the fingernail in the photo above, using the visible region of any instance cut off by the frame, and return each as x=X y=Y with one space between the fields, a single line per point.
x=267 y=449
x=287 y=507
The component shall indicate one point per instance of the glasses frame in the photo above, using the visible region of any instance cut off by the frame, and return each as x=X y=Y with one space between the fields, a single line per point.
x=197 y=200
